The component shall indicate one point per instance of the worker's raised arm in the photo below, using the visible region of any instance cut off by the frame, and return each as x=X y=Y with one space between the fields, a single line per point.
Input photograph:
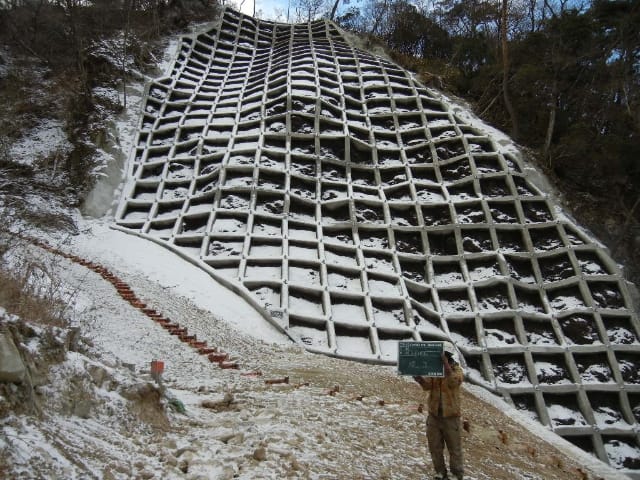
x=425 y=382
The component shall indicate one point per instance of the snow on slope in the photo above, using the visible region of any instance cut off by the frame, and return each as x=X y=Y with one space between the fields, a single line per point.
x=334 y=419
x=369 y=427
x=280 y=431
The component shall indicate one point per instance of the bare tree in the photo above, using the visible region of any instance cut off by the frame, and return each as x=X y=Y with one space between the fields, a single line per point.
x=551 y=124
x=71 y=11
x=505 y=68
x=333 y=10
x=308 y=10
x=127 y=28
x=380 y=9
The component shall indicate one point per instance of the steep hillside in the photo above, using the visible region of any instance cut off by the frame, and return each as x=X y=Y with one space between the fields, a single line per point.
x=87 y=406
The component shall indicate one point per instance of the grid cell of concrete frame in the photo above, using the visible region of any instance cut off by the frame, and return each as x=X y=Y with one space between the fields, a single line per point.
x=353 y=209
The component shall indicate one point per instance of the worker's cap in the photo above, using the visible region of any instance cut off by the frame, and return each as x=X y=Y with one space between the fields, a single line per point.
x=450 y=350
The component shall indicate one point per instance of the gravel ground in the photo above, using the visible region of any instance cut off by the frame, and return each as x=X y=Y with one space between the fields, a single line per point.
x=333 y=419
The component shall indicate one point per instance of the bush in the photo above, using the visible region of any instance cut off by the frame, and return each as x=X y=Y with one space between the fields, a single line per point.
x=29 y=288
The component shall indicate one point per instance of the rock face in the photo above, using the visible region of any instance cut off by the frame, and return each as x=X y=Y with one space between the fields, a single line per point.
x=356 y=208
x=12 y=368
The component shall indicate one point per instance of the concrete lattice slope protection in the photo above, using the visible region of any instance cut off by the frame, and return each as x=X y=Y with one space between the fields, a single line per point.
x=354 y=209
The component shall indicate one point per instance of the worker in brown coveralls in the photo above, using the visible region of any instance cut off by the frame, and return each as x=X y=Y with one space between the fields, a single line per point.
x=443 y=423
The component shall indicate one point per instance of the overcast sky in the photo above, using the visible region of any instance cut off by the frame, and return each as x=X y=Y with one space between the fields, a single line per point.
x=266 y=9
x=275 y=9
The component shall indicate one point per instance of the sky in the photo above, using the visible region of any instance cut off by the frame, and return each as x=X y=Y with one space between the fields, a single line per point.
x=274 y=9
x=266 y=9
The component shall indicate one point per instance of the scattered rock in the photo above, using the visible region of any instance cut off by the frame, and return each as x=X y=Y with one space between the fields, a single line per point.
x=225 y=434
x=120 y=468
x=205 y=477
x=146 y=474
x=146 y=398
x=12 y=368
x=188 y=456
x=181 y=451
x=170 y=443
x=260 y=454
x=107 y=474
x=280 y=451
x=82 y=409
x=98 y=374
x=140 y=391
x=129 y=366
x=228 y=473
x=236 y=439
x=228 y=402
x=73 y=339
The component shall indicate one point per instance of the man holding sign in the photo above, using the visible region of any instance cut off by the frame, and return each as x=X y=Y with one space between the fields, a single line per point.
x=443 y=423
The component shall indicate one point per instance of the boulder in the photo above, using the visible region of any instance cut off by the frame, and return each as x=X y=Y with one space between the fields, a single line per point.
x=12 y=368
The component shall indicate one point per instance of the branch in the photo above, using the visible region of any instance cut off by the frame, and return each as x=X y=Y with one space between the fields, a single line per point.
x=17 y=39
x=489 y=106
x=625 y=227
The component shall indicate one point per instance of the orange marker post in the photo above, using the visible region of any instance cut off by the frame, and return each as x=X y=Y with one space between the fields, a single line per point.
x=157 y=368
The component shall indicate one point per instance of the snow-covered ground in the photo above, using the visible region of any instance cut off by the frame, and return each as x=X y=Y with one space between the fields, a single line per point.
x=46 y=139
x=334 y=419
x=163 y=271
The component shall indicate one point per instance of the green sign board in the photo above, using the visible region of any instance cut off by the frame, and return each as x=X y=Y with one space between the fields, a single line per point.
x=420 y=358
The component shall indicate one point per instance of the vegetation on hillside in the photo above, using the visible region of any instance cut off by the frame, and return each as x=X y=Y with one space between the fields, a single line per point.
x=563 y=78
x=56 y=57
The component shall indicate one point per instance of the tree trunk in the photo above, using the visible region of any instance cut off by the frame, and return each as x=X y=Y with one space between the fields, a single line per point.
x=76 y=40
x=532 y=15
x=625 y=228
x=127 y=5
x=333 y=10
x=36 y=17
x=505 y=70
x=552 y=123
x=378 y=18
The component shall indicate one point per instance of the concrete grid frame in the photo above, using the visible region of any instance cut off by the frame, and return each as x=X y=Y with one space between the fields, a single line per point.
x=351 y=207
